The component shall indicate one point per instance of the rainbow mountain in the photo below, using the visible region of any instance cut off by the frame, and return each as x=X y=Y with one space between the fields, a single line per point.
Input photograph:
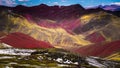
x=87 y=32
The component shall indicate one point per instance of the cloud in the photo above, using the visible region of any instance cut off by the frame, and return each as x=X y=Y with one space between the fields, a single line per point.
x=11 y=2
x=7 y=2
x=116 y=3
x=55 y=3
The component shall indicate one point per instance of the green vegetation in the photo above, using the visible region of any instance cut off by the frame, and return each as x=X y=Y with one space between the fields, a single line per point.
x=44 y=58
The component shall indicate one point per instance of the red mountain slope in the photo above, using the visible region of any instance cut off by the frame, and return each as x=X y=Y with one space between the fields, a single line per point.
x=95 y=38
x=50 y=12
x=101 y=50
x=20 y=40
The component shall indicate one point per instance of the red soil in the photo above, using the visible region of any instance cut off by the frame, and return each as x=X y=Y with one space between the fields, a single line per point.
x=95 y=38
x=100 y=50
x=20 y=40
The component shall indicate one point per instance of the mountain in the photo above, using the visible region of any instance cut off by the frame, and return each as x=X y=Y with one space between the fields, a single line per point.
x=71 y=28
x=20 y=40
x=111 y=7
x=55 y=36
x=100 y=50
x=50 y=12
x=103 y=24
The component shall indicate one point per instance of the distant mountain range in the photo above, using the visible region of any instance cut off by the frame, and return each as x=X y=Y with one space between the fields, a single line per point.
x=111 y=7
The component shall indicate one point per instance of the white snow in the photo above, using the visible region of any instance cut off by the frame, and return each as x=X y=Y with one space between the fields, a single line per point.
x=16 y=51
x=93 y=62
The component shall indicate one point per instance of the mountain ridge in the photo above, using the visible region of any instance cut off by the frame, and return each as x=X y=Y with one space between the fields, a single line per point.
x=60 y=26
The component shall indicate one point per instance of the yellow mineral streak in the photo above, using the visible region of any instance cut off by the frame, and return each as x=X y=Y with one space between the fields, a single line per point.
x=56 y=36
x=86 y=18
x=115 y=57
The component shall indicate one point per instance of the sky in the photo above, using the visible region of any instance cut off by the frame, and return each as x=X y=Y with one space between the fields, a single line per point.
x=84 y=3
